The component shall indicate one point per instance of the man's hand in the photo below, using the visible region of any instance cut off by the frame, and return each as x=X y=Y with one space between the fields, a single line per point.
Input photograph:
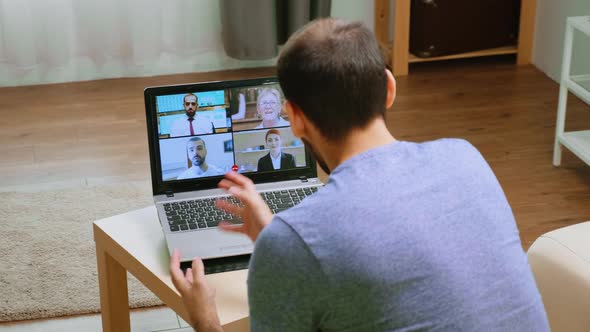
x=254 y=212
x=198 y=297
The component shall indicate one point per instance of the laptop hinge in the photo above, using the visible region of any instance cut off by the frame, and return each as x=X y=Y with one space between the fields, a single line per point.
x=169 y=193
x=303 y=178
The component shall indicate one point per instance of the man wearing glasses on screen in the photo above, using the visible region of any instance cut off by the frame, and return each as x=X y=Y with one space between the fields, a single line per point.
x=191 y=124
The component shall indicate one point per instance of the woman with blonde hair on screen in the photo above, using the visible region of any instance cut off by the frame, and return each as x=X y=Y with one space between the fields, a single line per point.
x=269 y=108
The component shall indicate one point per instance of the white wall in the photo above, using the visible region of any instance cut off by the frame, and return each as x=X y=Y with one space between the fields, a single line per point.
x=549 y=32
x=354 y=10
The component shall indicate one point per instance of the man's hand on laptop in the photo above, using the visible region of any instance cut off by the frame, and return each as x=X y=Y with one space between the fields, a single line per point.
x=197 y=295
x=254 y=212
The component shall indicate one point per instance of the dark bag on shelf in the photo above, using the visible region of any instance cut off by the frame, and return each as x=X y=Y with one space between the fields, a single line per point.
x=444 y=27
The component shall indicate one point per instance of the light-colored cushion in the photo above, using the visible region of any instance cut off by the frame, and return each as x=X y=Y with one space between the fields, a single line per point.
x=560 y=261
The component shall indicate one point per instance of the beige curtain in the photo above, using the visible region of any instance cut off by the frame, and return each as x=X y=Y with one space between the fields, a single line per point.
x=252 y=30
x=56 y=41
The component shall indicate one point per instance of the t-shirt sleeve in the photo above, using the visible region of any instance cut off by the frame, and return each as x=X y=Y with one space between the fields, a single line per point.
x=286 y=286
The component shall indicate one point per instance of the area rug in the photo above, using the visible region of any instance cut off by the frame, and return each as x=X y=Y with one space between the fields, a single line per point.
x=47 y=253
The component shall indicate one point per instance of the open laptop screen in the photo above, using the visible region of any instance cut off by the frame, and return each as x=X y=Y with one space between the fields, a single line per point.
x=205 y=133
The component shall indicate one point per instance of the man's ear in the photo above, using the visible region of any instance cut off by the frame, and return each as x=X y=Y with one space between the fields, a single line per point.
x=391 y=89
x=296 y=118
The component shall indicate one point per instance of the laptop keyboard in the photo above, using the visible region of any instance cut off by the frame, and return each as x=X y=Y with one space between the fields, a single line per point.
x=202 y=213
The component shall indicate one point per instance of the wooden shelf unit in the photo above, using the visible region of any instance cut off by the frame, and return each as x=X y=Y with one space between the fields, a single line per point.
x=577 y=142
x=398 y=52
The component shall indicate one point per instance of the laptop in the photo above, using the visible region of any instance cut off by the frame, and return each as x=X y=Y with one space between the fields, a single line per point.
x=197 y=133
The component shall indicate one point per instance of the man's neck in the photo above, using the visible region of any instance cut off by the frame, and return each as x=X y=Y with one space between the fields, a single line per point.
x=275 y=154
x=358 y=141
x=203 y=168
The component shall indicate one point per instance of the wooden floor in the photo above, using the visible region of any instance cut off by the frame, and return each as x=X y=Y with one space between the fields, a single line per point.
x=94 y=132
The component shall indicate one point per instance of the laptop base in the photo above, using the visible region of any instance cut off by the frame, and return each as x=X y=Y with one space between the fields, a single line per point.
x=221 y=264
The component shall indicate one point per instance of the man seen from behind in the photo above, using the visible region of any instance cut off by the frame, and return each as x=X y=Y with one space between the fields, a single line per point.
x=403 y=237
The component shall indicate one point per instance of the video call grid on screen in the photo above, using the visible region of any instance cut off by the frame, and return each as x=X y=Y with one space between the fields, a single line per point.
x=228 y=133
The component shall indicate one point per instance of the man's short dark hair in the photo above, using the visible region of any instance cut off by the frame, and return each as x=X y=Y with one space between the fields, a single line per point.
x=190 y=94
x=196 y=139
x=333 y=70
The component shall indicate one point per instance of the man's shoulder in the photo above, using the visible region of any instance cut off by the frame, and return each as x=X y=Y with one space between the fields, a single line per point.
x=177 y=126
x=212 y=169
x=460 y=152
x=179 y=121
x=312 y=209
x=185 y=174
x=444 y=151
x=455 y=143
x=204 y=125
x=443 y=145
x=452 y=145
x=279 y=235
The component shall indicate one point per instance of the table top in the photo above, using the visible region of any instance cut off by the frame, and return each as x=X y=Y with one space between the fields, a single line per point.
x=136 y=241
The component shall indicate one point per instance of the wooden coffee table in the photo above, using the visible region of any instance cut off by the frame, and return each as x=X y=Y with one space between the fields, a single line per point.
x=134 y=242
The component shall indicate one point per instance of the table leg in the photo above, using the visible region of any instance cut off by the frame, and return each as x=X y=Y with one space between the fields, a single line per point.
x=242 y=325
x=114 y=300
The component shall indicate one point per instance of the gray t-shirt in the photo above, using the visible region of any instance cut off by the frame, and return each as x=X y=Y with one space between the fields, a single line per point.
x=404 y=237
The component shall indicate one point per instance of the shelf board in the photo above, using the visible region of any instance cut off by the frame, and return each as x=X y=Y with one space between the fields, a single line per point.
x=580 y=86
x=582 y=23
x=577 y=142
x=512 y=49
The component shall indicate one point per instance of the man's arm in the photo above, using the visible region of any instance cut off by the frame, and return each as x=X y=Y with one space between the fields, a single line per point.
x=287 y=290
x=176 y=129
x=197 y=295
